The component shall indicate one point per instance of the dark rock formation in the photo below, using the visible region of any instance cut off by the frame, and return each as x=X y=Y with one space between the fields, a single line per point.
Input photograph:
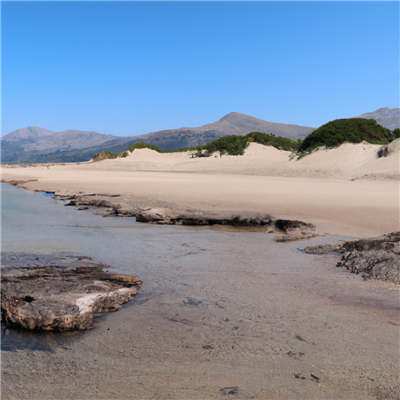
x=291 y=230
x=61 y=296
x=287 y=225
x=385 y=242
x=373 y=264
x=169 y=215
x=202 y=220
x=375 y=258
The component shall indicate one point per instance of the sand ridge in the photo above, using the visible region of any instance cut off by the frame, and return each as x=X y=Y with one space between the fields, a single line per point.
x=346 y=162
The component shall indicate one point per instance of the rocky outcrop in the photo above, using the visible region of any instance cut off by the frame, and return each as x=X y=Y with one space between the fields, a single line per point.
x=290 y=230
x=167 y=214
x=373 y=264
x=375 y=258
x=63 y=295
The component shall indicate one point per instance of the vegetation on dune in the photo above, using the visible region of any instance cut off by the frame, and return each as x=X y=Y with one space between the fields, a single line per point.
x=279 y=142
x=353 y=130
x=123 y=154
x=104 y=155
x=332 y=134
x=141 y=145
x=233 y=145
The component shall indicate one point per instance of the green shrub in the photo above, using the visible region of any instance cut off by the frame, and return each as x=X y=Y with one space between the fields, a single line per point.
x=270 y=139
x=104 y=155
x=233 y=145
x=396 y=133
x=140 y=145
x=353 y=130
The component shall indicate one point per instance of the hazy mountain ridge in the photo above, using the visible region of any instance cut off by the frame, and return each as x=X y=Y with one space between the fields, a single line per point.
x=31 y=132
x=36 y=144
x=231 y=124
x=71 y=139
x=31 y=143
x=387 y=117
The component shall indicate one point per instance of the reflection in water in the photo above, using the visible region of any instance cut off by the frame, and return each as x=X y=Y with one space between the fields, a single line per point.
x=15 y=339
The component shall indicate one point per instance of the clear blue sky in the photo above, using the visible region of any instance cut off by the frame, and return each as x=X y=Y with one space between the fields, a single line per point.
x=129 y=68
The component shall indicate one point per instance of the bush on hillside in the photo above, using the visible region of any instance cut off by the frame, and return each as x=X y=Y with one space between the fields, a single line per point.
x=269 y=139
x=353 y=130
x=233 y=145
x=140 y=145
x=396 y=133
x=236 y=144
x=104 y=155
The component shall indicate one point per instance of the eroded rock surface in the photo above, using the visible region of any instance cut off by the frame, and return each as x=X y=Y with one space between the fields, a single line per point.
x=63 y=295
x=290 y=230
x=375 y=258
x=165 y=213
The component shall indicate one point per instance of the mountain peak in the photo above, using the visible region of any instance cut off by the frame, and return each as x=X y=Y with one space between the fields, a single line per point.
x=31 y=132
x=234 y=115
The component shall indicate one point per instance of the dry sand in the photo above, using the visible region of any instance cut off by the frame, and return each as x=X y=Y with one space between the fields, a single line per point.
x=347 y=190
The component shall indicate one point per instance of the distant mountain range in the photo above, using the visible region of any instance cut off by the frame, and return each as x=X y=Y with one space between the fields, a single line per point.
x=34 y=144
x=387 y=117
x=231 y=124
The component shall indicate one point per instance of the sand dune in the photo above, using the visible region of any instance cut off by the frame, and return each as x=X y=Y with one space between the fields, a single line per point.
x=349 y=161
x=347 y=190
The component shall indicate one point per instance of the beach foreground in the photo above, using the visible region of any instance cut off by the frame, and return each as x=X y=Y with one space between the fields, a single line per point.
x=226 y=314
x=221 y=314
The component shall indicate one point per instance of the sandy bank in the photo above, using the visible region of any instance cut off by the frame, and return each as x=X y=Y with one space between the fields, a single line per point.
x=348 y=190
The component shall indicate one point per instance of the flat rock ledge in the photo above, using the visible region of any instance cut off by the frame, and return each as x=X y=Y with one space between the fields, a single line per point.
x=160 y=212
x=375 y=258
x=164 y=213
x=62 y=296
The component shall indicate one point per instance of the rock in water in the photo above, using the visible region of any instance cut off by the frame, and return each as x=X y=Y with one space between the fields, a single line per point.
x=62 y=297
x=374 y=258
x=290 y=230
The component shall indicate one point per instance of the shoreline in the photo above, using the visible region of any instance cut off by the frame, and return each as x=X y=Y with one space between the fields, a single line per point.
x=349 y=190
x=361 y=217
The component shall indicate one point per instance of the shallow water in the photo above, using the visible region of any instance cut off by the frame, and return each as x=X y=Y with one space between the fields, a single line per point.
x=36 y=223
x=216 y=311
